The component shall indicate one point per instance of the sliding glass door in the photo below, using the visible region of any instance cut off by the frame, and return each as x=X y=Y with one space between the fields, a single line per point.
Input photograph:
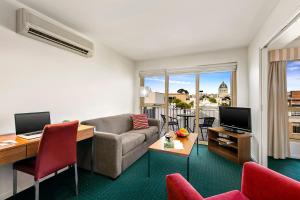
x=153 y=96
x=215 y=91
x=187 y=99
x=182 y=101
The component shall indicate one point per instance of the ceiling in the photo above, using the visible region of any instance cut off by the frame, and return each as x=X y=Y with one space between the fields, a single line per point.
x=147 y=29
x=294 y=43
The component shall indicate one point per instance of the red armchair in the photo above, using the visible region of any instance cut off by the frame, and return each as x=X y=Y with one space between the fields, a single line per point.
x=258 y=183
x=57 y=150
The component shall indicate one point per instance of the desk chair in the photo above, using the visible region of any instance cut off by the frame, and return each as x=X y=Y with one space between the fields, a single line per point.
x=56 y=151
x=173 y=122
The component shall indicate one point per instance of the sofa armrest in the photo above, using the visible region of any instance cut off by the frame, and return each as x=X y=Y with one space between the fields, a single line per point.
x=179 y=188
x=154 y=122
x=108 y=154
x=259 y=182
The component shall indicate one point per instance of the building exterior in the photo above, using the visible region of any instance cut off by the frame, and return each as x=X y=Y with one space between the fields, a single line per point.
x=223 y=90
x=155 y=98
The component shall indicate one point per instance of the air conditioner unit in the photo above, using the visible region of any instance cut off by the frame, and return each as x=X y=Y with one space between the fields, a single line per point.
x=39 y=28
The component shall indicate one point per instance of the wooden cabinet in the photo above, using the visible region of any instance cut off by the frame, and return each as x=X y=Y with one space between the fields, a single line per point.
x=238 y=151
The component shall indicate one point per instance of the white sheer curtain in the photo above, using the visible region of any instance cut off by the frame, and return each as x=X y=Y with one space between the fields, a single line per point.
x=278 y=140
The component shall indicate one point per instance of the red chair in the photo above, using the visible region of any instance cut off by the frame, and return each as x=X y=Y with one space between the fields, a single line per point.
x=258 y=183
x=56 y=151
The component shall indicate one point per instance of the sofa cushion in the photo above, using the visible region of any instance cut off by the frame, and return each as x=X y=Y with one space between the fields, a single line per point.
x=131 y=141
x=148 y=132
x=232 y=195
x=114 y=124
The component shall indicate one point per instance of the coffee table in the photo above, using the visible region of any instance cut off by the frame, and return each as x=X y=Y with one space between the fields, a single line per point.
x=187 y=142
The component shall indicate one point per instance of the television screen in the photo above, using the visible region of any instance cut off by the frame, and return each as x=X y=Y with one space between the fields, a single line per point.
x=235 y=118
x=30 y=122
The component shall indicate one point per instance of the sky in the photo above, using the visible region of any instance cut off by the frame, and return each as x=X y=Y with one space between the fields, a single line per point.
x=293 y=75
x=209 y=82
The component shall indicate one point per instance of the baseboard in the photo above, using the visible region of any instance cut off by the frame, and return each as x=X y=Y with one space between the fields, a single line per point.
x=295 y=156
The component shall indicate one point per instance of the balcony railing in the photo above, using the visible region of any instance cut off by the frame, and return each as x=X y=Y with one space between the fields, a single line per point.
x=205 y=111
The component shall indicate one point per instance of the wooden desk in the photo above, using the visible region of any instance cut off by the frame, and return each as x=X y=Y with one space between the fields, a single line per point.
x=28 y=148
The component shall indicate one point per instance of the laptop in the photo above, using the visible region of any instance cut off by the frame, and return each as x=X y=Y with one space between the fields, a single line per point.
x=31 y=125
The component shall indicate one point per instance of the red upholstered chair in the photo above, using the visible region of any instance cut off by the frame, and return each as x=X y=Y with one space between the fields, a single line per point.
x=258 y=183
x=57 y=150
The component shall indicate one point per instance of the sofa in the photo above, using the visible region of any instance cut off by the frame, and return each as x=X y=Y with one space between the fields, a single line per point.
x=116 y=144
x=258 y=183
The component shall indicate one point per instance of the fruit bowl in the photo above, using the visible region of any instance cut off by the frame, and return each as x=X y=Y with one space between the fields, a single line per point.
x=182 y=132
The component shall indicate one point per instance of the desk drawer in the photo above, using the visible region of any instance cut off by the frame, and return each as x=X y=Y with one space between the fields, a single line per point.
x=12 y=155
x=32 y=149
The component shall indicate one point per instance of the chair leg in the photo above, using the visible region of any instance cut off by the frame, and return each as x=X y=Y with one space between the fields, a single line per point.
x=76 y=178
x=37 y=189
x=162 y=127
x=202 y=133
x=15 y=181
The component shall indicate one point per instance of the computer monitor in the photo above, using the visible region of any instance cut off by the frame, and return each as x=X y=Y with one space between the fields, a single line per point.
x=31 y=122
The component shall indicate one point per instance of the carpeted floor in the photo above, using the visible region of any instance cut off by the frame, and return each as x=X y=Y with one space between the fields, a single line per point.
x=288 y=167
x=210 y=174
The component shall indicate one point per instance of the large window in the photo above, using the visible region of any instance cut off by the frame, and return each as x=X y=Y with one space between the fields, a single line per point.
x=181 y=97
x=153 y=103
x=156 y=90
x=293 y=92
x=215 y=89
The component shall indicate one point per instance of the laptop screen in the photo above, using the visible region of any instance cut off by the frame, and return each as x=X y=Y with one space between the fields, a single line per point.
x=30 y=122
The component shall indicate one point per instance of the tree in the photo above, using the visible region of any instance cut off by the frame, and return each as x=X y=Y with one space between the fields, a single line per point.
x=212 y=100
x=175 y=100
x=182 y=91
x=183 y=105
x=180 y=104
x=192 y=103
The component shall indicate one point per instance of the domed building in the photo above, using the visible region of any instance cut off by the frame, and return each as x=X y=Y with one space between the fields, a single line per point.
x=223 y=90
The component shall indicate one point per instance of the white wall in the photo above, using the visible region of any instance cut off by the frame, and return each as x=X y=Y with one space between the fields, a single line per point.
x=238 y=55
x=38 y=77
x=280 y=16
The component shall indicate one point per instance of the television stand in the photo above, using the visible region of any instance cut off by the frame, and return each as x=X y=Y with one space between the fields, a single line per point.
x=237 y=149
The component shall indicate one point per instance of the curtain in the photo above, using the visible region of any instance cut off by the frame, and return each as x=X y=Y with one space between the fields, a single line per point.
x=278 y=111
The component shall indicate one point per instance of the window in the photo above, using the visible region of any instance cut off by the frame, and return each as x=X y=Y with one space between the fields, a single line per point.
x=293 y=93
x=179 y=96
x=215 y=89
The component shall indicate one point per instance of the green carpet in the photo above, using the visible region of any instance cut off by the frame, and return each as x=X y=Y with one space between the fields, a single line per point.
x=210 y=174
x=287 y=167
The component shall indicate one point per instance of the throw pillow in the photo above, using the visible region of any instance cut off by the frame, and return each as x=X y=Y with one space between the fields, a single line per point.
x=140 y=121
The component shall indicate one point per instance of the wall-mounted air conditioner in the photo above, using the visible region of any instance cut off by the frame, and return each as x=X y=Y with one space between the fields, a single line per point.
x=36 y=27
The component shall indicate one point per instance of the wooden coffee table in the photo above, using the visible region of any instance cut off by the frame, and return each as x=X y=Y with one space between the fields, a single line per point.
x=187 y=142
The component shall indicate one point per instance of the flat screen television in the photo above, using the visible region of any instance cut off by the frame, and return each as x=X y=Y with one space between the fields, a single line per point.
x=236 y=119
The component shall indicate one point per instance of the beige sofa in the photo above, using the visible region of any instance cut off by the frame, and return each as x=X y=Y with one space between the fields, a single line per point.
x=116 y=144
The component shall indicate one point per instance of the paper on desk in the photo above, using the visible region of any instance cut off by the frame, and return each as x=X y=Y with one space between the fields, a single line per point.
x=7 y=142
x=178 y=144
x=10 y=141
